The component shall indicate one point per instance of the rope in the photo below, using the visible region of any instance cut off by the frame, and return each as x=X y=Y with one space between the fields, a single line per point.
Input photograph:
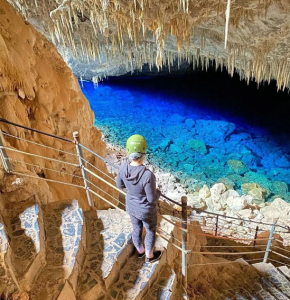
x=65 y=173
x=34 y=130
x=221 y=263
x=40 y=156
x=186 y=251
x=166 y=233
x=228 y=253
x=50 y=180
x=16 y=137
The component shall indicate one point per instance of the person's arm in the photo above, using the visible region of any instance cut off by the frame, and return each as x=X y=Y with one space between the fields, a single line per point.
x=120 y=182
x=152 y=194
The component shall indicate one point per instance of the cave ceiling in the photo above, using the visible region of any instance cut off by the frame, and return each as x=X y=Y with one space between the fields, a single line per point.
x=100 y=38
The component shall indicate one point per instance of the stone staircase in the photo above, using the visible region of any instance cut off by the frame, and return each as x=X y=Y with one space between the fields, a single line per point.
x=59 y=252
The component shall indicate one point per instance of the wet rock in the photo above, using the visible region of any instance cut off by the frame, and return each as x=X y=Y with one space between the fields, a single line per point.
x=238 y=166
x=197 y=146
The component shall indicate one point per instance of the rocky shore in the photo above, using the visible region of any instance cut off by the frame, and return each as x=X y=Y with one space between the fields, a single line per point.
x=223 y=200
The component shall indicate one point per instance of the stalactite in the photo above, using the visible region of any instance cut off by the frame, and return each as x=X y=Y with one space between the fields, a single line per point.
x=227 y=22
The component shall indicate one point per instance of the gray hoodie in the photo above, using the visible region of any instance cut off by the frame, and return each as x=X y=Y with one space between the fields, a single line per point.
x=141 y=188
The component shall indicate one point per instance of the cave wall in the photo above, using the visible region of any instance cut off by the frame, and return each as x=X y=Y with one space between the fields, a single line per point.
x=38 y=90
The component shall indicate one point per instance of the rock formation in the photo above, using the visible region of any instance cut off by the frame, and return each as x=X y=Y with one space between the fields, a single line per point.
x=112 y=37
x=38 y=90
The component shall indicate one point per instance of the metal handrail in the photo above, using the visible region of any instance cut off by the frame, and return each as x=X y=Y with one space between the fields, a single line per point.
x=35 y=130
x=184 y=222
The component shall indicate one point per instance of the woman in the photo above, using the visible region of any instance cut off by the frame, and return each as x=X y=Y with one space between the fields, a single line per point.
x=141 y=197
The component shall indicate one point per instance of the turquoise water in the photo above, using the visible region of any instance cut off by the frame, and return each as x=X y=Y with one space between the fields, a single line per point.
x=201 y=132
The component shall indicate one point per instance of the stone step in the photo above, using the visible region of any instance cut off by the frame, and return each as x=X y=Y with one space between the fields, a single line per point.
x=25 y=255
x=107 y=234
x=63 y=223
x=276 y=278
x=164 y=287
x=285 y=271
x=273 y=290
x=7 y=284
x=261 y=293
x=135 y=279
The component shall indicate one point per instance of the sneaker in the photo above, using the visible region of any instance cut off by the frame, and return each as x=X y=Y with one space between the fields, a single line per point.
x=141 y=255
x=156 y=256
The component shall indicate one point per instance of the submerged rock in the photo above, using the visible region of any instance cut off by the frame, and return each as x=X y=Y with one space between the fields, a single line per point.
x=238 y=166
x=197 y=146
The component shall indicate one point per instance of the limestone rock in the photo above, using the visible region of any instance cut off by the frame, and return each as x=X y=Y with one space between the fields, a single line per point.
x=195 y=201
x=226 y=195
x=204 y=192
x=197 y=146
x=245 y=213
x=237 y=203
x=277 y=209
x=238 y=166
x=20 y=296
x=21 y=93
x=217 y=190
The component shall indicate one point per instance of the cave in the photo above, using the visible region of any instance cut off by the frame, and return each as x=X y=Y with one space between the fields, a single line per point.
x=203 y=88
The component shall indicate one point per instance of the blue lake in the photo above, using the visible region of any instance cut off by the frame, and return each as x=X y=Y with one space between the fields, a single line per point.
x=202 y=129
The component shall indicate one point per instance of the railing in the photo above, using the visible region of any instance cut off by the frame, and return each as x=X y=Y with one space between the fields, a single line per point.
x=74 y=161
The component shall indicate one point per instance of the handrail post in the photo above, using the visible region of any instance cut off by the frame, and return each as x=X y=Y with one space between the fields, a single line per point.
x=82 y=165
x=216 y=225
x=268 y=249
x=3 y=154
x=256 y=235
x=184 y=241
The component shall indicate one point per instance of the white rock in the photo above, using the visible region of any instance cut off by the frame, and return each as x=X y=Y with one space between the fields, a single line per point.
x=245 y=213
x=224 y=197
x=195 y=201
x=277 y=209
x=204 y=192
x=212 y=205
x=249 y=199
x=217 y=190
x=236 y=203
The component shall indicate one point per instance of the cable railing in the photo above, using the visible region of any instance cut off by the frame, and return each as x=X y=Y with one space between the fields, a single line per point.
x=88 y=176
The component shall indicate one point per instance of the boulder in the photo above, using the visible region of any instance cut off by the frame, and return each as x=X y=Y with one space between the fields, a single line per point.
x=204 y=192
x=237 y=203
x=245 y=213
x=277 y=209
x=197 y=146
x=257 y=194
x=238 y=166
x=217 y=190
x=195 y=201
x=226 y=195
x=212 y=205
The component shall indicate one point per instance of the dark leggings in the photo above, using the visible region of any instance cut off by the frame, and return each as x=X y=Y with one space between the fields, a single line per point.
x=149 y=222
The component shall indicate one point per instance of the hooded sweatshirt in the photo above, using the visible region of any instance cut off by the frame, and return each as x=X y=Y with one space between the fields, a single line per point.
x=140 y=182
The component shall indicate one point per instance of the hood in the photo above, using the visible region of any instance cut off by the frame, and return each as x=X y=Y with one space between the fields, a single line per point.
x=133 y=174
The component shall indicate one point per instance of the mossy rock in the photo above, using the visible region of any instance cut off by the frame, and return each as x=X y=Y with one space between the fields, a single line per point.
x=197 y=146
x=238 y=166
x=227 y=182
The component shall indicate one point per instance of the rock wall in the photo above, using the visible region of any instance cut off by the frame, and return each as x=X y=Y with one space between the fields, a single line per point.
x=38 y=90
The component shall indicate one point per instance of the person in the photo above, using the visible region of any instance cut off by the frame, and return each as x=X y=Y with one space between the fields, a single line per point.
x=141 y=197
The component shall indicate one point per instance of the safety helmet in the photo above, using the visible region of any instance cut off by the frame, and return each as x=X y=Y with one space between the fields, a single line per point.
x=136 y=143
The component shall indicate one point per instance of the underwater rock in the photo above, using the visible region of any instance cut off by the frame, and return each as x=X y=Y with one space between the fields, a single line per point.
x=238 y=166
x=176 y=118
x=213 y=132
x=257 y=194
x=279 y=187
x=189 y=123
x=259 y=178
x=197 y=146
x=237 y=138
x=227 y=182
